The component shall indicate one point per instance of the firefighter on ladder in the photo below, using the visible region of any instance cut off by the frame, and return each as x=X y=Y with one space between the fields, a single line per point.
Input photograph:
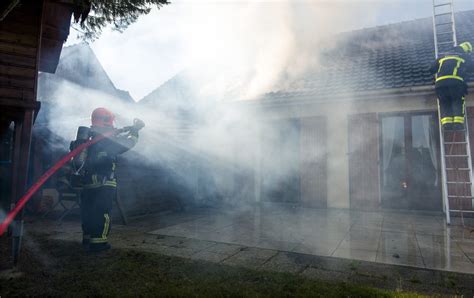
x=98 y=176
x=451 y=74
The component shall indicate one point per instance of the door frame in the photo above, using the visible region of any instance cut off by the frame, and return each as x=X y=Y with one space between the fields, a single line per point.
x=407 y=116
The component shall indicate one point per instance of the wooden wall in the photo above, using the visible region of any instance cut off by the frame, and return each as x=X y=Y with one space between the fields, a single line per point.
x=19 y=48
x=31 y=39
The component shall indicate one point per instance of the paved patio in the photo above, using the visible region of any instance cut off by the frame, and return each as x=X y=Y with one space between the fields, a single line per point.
x=392 y=250
x=403 y=238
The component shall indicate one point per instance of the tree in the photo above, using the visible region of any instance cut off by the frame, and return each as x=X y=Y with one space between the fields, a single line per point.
x=94 y=15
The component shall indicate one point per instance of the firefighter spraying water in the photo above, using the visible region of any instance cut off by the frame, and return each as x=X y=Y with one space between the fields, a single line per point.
x=93 y=156
x=96 y=169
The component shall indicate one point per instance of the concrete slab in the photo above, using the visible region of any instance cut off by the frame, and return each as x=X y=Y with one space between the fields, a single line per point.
x=210 y=256
x=224 y=248
x=253 y=258
x=405 y=238
x=356 y=254
x=390 y=237
x=284 y=262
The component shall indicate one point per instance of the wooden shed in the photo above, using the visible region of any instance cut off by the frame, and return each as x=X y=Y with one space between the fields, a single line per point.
x=32 y=33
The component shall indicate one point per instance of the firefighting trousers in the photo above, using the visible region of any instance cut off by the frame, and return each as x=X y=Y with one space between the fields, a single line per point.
x=451 y=104
x=96 y=205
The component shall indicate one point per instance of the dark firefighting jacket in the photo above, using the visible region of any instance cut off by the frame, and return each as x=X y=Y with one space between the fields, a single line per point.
x=452 y=69
x=100 y=164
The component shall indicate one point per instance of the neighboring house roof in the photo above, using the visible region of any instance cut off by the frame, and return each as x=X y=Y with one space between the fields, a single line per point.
x=174 y=97
x=386 y=57
x=79 y=68
x=175 y=91
x=78 y=64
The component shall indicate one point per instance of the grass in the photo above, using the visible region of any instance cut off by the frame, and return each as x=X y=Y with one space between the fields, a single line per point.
x=66 y=270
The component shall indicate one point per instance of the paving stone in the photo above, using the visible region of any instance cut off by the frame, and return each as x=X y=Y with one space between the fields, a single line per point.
x=164 y=240
x=398 y=258
x=283 y=263
x=357 y=254
x=250 y=257
x=321 y=249
x=210 y=256
x=275 y=244
x=196 y=244
x=224 y=248
x=257 y=252
x=171 y=251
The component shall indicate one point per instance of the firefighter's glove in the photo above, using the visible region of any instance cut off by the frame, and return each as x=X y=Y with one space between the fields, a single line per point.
x=138 y=124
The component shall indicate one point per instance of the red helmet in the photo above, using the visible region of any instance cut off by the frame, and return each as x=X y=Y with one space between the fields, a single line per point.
x=102 y=117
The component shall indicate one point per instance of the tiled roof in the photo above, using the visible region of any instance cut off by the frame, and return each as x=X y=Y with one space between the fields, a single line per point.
x=386 y=57
x=79 y=65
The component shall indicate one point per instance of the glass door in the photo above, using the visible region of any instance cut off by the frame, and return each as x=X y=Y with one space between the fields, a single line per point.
x=410 y=166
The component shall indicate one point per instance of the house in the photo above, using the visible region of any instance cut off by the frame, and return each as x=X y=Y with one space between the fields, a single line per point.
x=362 y=126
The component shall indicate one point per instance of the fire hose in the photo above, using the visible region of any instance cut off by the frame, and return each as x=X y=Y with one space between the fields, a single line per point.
x=34 y=188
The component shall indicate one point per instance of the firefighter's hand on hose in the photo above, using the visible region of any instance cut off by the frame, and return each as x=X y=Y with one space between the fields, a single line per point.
x=138 y=124
x=133 y=129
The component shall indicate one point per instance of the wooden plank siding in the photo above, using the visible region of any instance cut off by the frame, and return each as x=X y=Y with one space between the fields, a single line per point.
x=19 y=48
x=55 y=30
x=364 y=188
x=21 y=51
x=313 y=162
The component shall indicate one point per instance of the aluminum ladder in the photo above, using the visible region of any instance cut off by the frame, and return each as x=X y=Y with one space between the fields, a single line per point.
x=456 y=162
x=444 y=26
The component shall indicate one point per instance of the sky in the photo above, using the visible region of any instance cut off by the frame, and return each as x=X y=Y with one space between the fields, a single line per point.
x=260 y=36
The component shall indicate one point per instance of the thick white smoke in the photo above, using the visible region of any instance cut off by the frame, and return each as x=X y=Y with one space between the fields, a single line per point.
x=231 y=50
x=248 y=48
x=246 y=43
x=237 y=45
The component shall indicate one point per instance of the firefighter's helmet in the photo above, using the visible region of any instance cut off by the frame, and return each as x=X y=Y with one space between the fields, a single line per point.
x=466 y=46
x=102 y=117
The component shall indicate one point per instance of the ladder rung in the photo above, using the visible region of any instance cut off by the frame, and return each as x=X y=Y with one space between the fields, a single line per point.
x=454 y=143
x=444 y=33
x=456 y=156
x=458 y=182
x=461 y=211
x=444 y=4
x=462 y=197
x=445 y=23
x=459 y=169
x=447 y=42
x=443 y=14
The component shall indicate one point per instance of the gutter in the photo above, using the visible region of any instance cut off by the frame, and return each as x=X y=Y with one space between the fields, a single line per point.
x=312 y=97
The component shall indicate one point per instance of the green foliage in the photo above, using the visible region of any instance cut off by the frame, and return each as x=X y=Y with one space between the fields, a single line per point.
x=94 y=15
